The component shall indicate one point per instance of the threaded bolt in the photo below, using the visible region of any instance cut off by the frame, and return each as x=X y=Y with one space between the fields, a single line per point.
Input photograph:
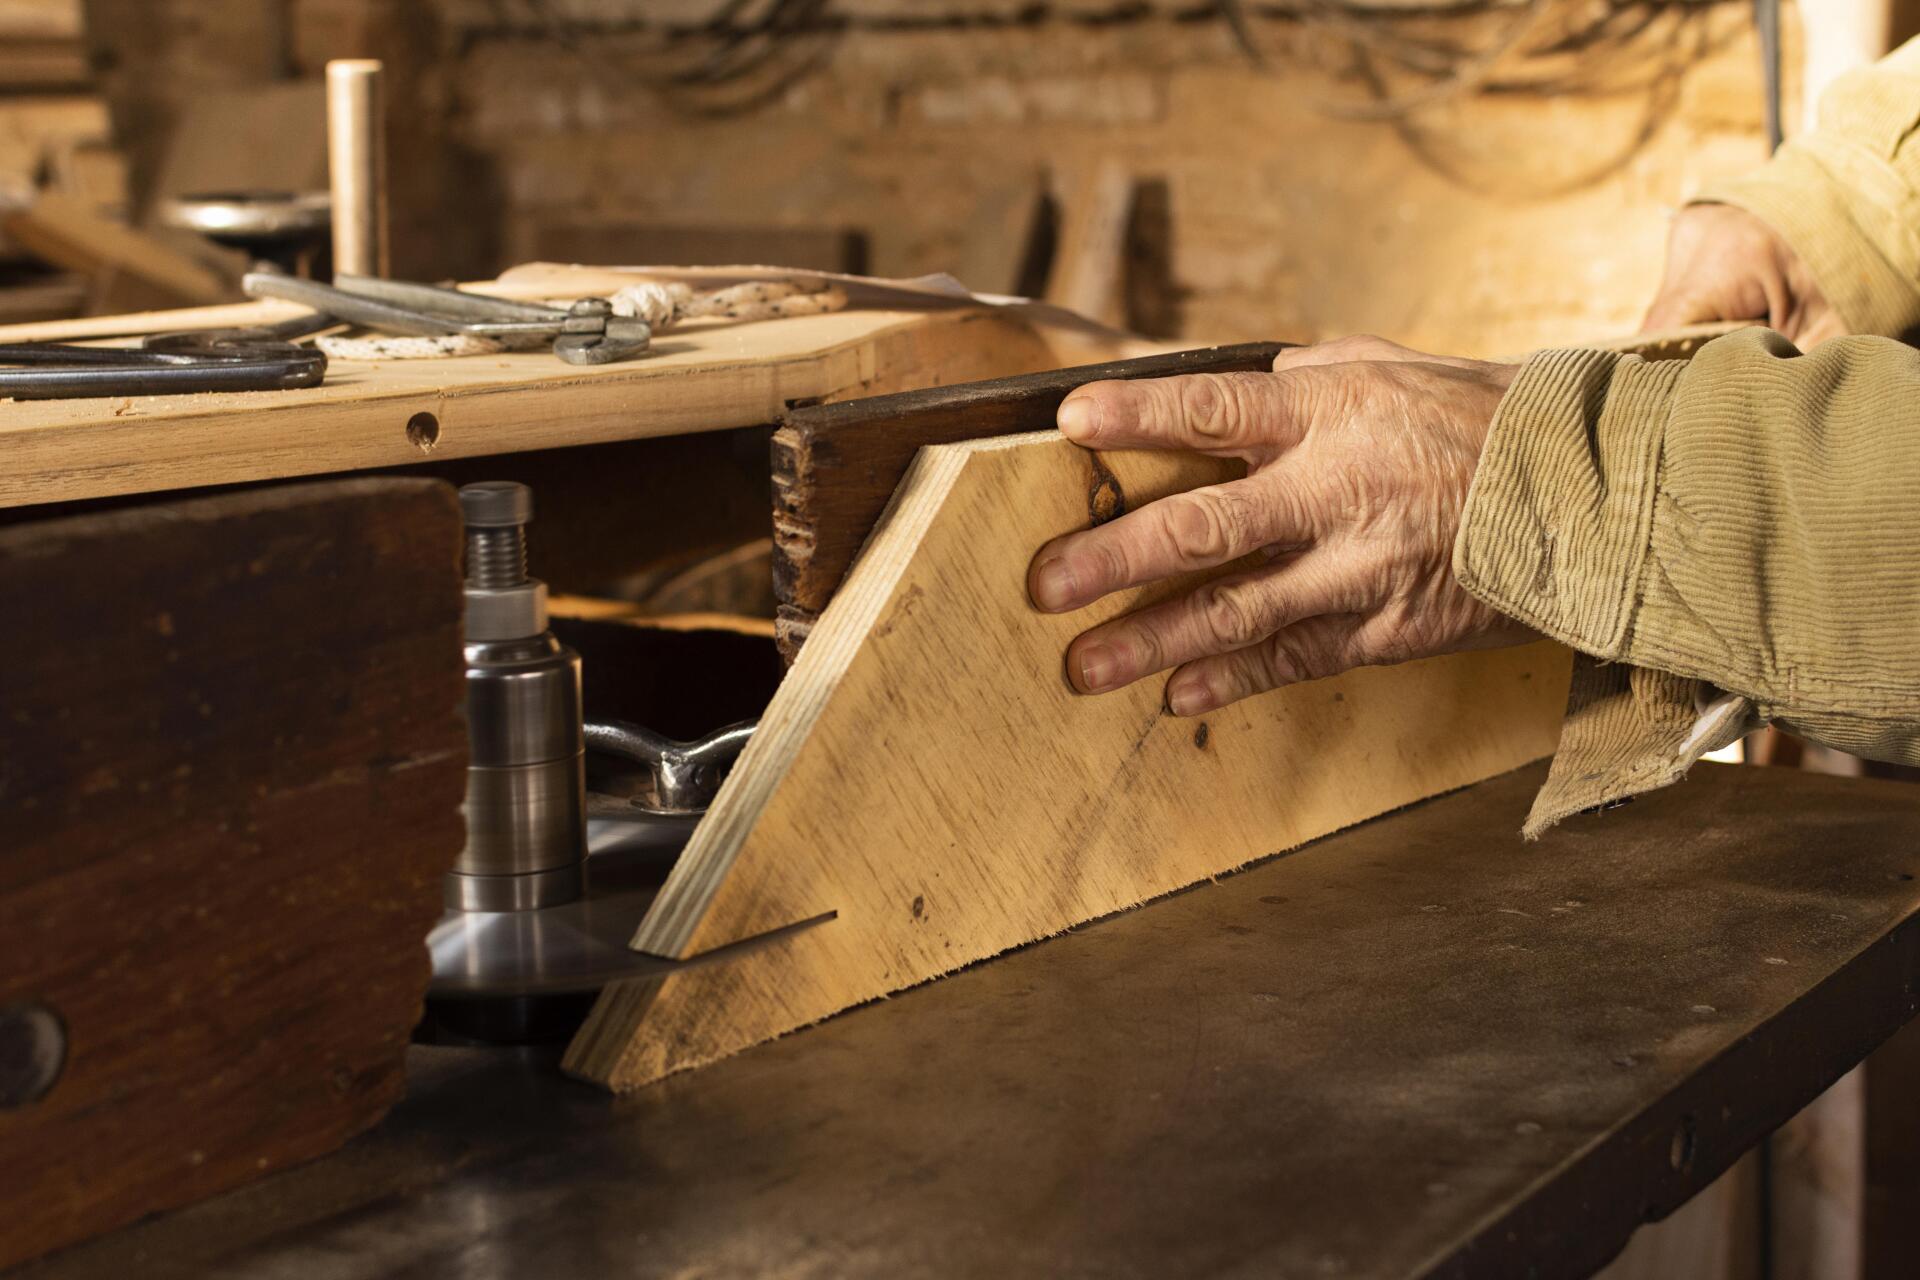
x=496 y=557
x=496 y=514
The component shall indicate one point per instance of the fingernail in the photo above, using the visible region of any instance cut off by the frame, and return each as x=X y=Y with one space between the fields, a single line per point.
x=1097 y=667
x=1079 y=418
x=1189 y=698
x=1054 y=586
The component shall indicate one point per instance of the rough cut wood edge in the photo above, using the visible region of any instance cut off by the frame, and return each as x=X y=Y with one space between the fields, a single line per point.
x=925 y=772
x=835 y=466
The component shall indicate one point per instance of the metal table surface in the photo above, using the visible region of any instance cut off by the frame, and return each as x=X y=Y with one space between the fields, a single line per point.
x=1419 y=1047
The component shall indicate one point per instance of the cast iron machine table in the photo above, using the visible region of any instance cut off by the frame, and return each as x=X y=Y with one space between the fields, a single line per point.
x=1416 y=1048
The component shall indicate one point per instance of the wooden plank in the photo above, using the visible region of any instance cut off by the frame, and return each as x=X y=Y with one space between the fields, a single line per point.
x=252 y=137
x=231 y=767
x=41 y=20
x=1088 y=271
x=42 y=44
x=36 y=133
x=926 y=773
x=678 y=245
x=708 y=376
x=68 y=233
x=96 y=175
x=43 y=64
x=836 y=466
x=999 y=252
x=36 y=294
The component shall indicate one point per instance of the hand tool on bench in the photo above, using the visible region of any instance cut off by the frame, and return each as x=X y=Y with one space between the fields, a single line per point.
x=585 y=333
x=256 y=359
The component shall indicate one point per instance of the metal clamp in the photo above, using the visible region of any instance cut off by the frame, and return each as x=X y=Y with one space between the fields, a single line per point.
x=681 y=777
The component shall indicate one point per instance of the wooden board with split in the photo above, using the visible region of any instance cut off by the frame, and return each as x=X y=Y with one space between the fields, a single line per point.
x=926 y=776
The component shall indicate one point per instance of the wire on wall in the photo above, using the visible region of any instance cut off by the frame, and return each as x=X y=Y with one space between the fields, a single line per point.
x=1398 y=58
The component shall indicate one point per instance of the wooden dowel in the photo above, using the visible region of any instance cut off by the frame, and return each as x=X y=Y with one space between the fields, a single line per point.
x=357 y=162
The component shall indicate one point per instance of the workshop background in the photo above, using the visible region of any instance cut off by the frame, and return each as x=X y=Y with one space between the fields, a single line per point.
x=1275 y=171
x=1481 y=176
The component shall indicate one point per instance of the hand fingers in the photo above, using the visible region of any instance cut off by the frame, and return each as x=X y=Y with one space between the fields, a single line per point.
x=1226 y=614
x=1211 y=412
x=1675 y=308
x=1665 y=313
x=1829 y=325
x=1307 y=650
x=1355 y=348
x=1181 y=533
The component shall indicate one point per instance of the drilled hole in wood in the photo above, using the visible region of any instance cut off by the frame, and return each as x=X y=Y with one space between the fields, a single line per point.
x=1685 y=1141
x=423 y=431
x=33 y=1052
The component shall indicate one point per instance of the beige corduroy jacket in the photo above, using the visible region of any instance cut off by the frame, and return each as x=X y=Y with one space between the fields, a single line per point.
x=1734 y=539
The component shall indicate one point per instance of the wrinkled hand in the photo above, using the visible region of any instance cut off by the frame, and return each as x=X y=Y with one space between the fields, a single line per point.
x=1725 y=264
x=1359 y=455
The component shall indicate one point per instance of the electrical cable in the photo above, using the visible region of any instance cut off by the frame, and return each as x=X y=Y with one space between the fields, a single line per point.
x=744 y=54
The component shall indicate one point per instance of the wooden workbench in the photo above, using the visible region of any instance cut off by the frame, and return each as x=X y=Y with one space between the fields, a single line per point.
x=1416 y=1048
x=165 y=631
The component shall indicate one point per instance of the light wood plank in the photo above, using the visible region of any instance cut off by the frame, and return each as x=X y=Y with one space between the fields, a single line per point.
x=708 y=376
x=926 y=773
x=68 y=233
x=41 y=20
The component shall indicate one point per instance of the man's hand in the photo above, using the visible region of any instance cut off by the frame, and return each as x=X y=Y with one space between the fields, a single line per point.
x=1725 y=264
x=1359 y=455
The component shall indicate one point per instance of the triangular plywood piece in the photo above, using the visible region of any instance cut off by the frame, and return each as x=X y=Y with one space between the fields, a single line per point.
x=926 y=774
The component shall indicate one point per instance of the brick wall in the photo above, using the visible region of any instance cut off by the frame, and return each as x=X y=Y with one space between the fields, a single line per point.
x=1488 y=223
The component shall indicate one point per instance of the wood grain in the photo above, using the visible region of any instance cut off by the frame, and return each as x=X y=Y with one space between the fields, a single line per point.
x=707 y=376
x=66 y=232
x=926 y=773
x=835 y=466
x=231 y=767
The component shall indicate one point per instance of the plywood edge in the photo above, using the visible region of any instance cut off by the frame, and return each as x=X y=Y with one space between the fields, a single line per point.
x=801 y=698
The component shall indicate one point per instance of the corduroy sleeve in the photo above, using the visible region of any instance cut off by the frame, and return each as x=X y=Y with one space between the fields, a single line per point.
x=1846 y=196
x=1727 y=540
